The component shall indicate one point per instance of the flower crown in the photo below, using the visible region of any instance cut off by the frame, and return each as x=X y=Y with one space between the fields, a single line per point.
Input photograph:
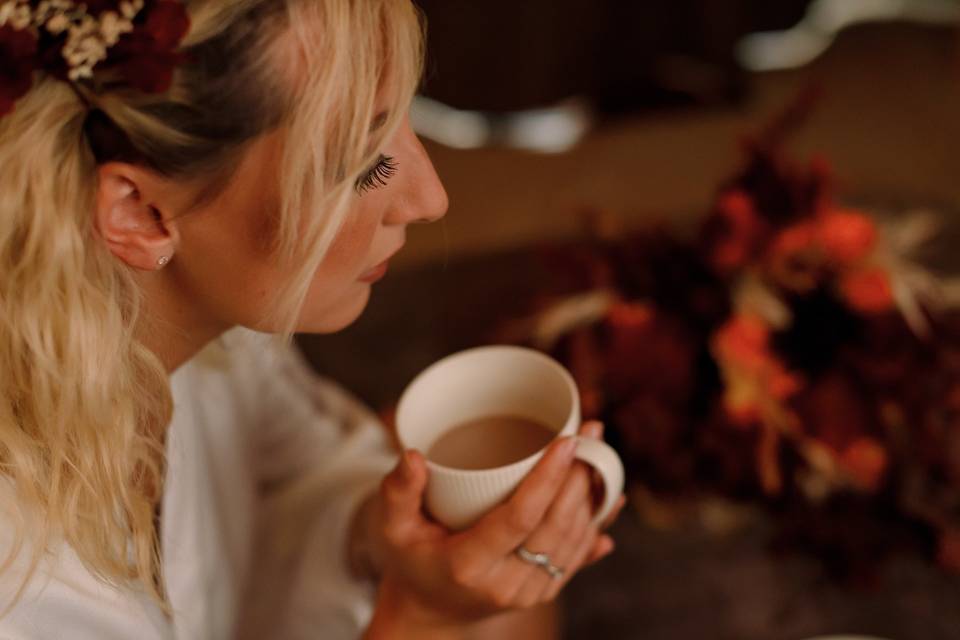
x=136 y=39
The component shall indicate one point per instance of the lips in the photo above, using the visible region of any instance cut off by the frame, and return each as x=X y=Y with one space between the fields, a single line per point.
x=376 y=273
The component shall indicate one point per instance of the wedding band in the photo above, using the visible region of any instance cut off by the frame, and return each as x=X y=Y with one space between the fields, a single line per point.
x=541 y=560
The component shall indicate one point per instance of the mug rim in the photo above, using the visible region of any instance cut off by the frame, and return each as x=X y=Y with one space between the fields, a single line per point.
x=527 y=351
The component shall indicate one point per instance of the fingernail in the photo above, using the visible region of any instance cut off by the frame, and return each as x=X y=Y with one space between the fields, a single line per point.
x=568 y=449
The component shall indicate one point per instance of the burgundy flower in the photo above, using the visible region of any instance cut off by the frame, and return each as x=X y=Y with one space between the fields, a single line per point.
x=17 y=58
x=167 y=24
x=866 y=461
x=835 y=411
x=647 y=350
x=147 y=57
x=948 y=549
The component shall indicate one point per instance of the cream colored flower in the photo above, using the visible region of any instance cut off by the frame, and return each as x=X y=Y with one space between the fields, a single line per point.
x=6 y=12
x=21 y=17
x=112 y=26
x=58 y=24
x=130 y=9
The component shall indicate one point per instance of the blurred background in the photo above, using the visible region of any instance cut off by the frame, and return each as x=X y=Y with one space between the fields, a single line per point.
x=557 y=122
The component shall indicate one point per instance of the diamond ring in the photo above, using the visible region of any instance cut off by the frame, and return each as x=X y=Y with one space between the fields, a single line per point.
x=541 y=560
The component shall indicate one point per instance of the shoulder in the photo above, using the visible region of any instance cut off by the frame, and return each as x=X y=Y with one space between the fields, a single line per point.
x=273 y=367
x=40 y=599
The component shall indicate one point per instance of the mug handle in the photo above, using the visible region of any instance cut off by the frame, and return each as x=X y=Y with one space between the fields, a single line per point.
x=602 y=457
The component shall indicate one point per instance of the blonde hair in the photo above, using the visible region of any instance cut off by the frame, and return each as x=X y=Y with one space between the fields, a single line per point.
x=83 y=405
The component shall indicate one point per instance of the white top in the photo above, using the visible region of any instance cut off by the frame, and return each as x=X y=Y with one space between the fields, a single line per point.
x=266 y=466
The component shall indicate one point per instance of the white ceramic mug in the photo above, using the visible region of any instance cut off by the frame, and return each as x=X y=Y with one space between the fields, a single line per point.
x=488 y=381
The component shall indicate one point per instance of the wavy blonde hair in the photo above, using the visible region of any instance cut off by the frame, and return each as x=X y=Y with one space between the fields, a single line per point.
x=83 y=405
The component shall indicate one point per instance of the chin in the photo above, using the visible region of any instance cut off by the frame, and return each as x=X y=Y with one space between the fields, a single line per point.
x=331 y=319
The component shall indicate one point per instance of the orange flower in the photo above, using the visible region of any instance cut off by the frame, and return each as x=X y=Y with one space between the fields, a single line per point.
x=631 y=315
x=867 y=290
x=753 y=375
x=866 y=461
x=743 y=341
x=740 y=229
x=847 y=236
x=794 y=239
x=741 y=401
x=795 y=257
x=782 y=383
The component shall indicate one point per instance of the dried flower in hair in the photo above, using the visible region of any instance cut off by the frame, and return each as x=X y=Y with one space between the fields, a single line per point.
x=147 y=57
x=71 y=40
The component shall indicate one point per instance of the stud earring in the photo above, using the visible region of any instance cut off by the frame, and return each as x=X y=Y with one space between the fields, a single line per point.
x=162 y=262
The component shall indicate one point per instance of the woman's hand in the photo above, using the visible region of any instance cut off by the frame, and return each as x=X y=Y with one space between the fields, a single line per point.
x=434 y=580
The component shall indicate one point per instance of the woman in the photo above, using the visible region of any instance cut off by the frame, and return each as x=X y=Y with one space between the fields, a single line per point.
x=174 y=175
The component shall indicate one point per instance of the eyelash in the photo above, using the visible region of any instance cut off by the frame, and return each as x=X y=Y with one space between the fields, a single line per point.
x=377 y=176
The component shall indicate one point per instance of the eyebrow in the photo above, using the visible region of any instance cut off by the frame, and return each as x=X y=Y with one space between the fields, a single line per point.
x=379 y=120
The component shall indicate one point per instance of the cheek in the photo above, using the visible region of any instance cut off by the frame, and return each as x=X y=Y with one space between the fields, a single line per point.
x=336 y=297
x=351 y=247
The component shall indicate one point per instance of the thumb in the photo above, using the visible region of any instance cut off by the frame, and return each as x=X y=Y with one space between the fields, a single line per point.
x=403 y=487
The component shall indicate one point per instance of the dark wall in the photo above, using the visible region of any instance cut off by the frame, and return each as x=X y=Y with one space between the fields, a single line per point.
x=499 y=55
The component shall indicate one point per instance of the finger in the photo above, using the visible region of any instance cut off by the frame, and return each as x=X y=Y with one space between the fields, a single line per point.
x=507 y=526
x=562 y=541
x=592 y=429
x=402 y=491
x=574 y=495
x=603 y=547
x=562 y=533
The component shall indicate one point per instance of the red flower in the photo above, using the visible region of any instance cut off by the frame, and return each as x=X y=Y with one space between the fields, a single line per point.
x=736 y=229
x=17 y=62
x=147 y=57
x=866 y=461
x=794 y=257
x=631 y=316
x=847 y=236
x=867 y=290
x=167 y=24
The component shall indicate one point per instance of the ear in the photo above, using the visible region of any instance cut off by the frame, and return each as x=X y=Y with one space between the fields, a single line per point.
x=133 y=216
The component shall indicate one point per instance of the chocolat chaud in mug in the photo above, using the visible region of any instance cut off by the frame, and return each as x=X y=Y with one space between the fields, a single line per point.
x=485 y=443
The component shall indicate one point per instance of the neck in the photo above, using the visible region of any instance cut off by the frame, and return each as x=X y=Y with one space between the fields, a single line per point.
x=172 y=326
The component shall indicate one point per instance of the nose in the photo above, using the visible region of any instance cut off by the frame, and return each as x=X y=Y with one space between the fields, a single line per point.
x=423 y=199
